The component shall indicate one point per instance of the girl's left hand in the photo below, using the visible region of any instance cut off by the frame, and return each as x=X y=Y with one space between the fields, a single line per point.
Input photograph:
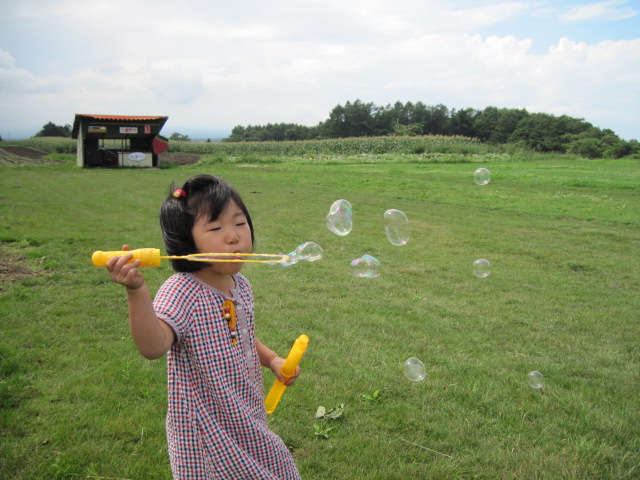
x=276 y=365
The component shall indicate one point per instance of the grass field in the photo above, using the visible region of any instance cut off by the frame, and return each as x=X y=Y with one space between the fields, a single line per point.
x=79 y=402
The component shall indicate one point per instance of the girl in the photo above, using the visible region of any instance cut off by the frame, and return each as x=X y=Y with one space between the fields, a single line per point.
x=216 y=419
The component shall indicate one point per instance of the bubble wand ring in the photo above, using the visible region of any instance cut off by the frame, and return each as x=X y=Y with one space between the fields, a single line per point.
x=150 y=257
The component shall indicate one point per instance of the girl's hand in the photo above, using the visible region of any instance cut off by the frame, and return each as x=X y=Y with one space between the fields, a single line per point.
x=124 y=273
x=276 y=365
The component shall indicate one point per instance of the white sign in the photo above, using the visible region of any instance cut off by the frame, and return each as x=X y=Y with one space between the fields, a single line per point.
x=137 y=156
x=128 y=129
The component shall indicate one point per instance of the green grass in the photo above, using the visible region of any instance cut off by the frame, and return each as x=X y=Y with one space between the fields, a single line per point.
x=79 y=402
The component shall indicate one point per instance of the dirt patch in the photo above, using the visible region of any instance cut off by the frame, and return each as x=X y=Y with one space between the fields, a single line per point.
x=24 y=156
x=26 y=152
x=13 y=268
x=179 y=158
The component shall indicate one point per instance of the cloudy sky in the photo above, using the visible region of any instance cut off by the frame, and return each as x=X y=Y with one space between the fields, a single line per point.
x=211 y=64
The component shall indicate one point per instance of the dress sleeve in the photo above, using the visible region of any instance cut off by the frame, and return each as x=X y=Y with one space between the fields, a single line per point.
x=173 y=304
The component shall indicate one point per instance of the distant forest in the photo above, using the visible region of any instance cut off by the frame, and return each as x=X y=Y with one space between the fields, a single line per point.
x=541 y=132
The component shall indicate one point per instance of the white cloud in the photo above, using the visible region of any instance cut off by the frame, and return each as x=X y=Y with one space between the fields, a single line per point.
x=219 y=64
x=6 y=60
x=609 y=10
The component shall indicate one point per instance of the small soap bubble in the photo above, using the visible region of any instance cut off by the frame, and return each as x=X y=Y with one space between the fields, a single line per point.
x=339 y=218
x=366 y=267
x=414 y=369
x=482 y=176
x=396 y=227
x=536 y=380
x=482 y=268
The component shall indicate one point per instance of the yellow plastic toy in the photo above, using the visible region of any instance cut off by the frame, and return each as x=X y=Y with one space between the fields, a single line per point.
x=150 y=257
x=287 y=370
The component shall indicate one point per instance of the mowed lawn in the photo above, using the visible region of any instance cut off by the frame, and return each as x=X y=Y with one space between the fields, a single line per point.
x=563 y=296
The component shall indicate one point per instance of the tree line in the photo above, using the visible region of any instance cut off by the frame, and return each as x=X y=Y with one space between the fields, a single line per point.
x=541 y=132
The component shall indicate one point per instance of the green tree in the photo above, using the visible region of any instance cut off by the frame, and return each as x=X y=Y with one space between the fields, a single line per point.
x=461 y=122
x=586 y=147
x=353 y=120
x=485 y=123
x=180 y=137
x=53 y=130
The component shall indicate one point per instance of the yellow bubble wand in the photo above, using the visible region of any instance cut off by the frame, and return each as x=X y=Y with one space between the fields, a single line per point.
x=150 y=257
x=288 y=369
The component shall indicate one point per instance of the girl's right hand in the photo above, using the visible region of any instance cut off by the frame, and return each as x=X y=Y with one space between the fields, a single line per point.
x=124 y=273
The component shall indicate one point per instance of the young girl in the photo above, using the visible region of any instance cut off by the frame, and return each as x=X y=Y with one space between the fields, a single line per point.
x=216 y=419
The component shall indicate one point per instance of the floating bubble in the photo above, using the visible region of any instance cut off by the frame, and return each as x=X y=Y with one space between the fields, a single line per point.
x=482 y=268
x=414 y=369
x=536 y=380
x=396 y=227
x=339 y=218
x=366 y=267
x=308 y=251
x=482 y=176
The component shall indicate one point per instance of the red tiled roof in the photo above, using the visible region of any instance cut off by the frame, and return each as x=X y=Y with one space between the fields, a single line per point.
x=117 y=118
x=121 y=117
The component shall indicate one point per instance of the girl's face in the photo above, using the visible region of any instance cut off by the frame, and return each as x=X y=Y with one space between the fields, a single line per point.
x=229 y=233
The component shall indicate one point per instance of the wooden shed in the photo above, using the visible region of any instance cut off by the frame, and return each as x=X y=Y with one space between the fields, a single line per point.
x=118 y=140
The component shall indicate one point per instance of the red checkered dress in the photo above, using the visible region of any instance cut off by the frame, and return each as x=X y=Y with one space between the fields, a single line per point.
x=216 y=419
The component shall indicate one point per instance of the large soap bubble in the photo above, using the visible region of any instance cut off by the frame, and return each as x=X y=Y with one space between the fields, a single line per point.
x=366 y=267
x=339 y=218
x=414 y=369
x=536 y=380
x=396 y=227
x=308 y=251
x=482 y=176
x=482 y=268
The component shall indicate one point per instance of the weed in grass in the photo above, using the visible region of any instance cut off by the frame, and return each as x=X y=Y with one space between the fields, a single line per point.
x=326 y=420
x=372 y=397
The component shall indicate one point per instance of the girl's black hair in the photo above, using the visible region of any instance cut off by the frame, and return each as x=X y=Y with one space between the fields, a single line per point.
x=201 y=196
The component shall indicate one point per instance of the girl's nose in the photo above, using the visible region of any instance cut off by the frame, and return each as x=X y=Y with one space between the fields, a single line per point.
x=232 y=236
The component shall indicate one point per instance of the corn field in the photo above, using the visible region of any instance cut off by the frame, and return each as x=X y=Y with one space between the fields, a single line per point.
x=432 y=144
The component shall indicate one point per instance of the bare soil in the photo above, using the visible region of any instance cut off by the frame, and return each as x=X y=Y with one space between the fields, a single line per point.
x=13 y=268
x=179 y=158
x=14 y=156
x=25 y=156
x=26 y=152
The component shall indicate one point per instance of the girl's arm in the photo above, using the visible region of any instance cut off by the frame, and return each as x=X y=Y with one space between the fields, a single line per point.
x=270 y=359
x=152 y=336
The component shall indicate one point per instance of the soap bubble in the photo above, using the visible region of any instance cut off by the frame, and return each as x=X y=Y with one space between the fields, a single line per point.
x=482 y=176
x=396 y=227
x=288 y=260
x=536 y=380
x=339 y=218
x=308 y=251
x=366 y=267
x=414 y=369
x=482 y=268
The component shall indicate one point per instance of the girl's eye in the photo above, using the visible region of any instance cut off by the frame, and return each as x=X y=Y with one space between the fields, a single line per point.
x=215 y=229
x=241 y=224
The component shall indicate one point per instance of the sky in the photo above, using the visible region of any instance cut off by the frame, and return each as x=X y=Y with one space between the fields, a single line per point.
x=210 y=65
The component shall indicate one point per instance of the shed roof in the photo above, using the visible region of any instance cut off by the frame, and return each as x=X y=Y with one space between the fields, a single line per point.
x=115 y=118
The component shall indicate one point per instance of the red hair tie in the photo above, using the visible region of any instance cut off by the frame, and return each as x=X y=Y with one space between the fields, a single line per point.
x=178 y=192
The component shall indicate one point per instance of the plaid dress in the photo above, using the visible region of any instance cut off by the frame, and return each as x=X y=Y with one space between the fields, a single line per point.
x=216 y=418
